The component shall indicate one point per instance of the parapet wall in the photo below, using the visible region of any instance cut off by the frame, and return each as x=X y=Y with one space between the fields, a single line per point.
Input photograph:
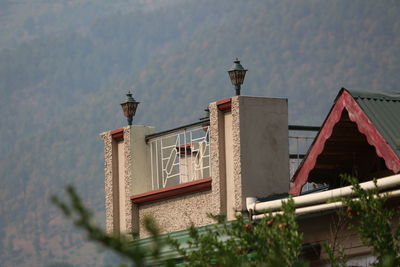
x=179 y=213
x=248 y=155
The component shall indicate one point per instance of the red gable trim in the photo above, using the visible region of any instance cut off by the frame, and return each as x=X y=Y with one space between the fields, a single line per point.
x=117 y=134
x=364 y=125
x=225 y=104
x=172 y=191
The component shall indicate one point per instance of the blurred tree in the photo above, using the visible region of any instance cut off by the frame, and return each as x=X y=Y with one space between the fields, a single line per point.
x=272 y=241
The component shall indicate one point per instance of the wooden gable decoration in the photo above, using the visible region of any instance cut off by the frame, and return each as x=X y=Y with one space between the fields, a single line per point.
x=347 y=111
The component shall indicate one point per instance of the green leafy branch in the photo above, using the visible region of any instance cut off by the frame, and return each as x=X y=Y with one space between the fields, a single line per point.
x=82 y=218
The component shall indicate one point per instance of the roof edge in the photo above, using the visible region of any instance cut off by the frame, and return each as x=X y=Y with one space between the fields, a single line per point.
x=378 y=95
x=364 y=125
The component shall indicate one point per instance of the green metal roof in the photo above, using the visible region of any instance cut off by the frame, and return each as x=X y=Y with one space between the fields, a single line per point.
x=383 y=109
x=181 y=236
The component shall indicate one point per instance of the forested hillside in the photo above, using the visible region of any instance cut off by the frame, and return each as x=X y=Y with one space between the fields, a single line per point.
x=66 y=65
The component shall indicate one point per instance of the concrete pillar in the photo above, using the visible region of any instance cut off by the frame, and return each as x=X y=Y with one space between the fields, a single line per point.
x=126 y=164
x=251 y=152
x=260 y=147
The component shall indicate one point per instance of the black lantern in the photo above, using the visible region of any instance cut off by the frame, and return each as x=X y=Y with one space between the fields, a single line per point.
x=237 y=73
x=129 y=107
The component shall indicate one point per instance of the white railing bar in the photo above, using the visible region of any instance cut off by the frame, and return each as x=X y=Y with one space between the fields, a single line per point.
x=193 y=143
x=172 y=164
x=178 y=141
x=158 y=178
x=171 y=146
x=198 y=124
x=192 y=160
x=151 y=165
x=174 y=134
x=302 y=137
x=188 y=161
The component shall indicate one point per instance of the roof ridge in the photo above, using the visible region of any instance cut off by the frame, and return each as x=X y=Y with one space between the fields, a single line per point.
x=378 y=95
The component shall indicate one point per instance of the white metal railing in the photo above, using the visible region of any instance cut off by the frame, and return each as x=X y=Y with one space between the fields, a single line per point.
x=298 y=147
x=180 y=156
x=299 y=144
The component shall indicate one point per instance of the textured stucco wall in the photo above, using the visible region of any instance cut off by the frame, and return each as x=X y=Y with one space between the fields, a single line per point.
x=108 y=181
x=127 y=179
x=217 y=154
x=237 y=156
x=114 y=180
x=179 y=213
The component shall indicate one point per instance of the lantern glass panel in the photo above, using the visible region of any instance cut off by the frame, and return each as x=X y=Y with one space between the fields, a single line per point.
x=237 y=76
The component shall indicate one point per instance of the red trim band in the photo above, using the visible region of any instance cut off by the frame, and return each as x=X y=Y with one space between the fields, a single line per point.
x=172 y=191
x=117 y=134
x=224 y=104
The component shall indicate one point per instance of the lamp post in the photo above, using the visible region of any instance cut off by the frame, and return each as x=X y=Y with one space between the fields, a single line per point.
x=129 y=107
x=236 y=74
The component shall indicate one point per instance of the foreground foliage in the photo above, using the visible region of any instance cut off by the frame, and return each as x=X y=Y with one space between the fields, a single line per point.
x=374 y=222
x=82 y=218
x=274 y=240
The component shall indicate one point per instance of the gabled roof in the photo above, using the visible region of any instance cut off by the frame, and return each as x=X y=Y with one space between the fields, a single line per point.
x=383 y=109
x=375 y=116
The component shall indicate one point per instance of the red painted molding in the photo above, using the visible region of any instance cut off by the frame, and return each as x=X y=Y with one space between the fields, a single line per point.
x=225 y=104
x=172 y=191
x=364 y=125
x=117 y=134
x=184 y=145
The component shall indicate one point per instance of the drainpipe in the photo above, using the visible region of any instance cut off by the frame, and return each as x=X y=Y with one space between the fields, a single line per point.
x=321 y=197
x=250 y=204
x=323 y=207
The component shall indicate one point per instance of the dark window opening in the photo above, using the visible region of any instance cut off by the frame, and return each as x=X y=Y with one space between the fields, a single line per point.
x=347 y=151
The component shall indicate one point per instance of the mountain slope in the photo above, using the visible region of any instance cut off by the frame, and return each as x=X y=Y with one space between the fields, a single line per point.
x=62 y=88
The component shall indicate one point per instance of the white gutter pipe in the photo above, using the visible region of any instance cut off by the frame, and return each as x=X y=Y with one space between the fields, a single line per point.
x=250 y=202
x=322 y=207
x=321 y=197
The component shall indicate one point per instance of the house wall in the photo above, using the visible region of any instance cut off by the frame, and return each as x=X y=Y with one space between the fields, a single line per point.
x=120 y=183
x=117 y=184
x=262 y=132
x=333 y=230
x=249 y=155
x=218 y=162
x=140 y=157
x=124 y=167
x=249 y=158
x=255 y=149
x=111 y=203
x=229 y=166
x=249 y=148
x=179 y=213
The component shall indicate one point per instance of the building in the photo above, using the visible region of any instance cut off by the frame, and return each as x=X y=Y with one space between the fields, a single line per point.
x=229 y=162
